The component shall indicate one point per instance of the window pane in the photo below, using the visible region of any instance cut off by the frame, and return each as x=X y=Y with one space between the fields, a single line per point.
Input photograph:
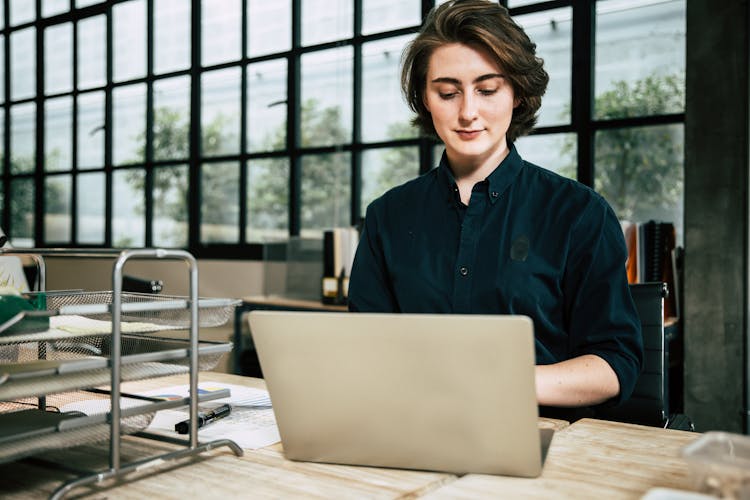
x=266 y=105
x=220 y=117
x=58 y=58
x=90 y=201
x=518 y=3
x=326 y=97
x=129 y=39
x=556 y=152
x=326 y=20
x=58 y=134
x=2 y=142
x=384 y=15
x=22 y=11
x=551 y=30
x=22 y=201
x=384 y=114
x=22 y=64
x=171 y=35
x=22 y=137
x=128 y=200
x=639 y=170
x=172 y=118
x=57 y=196
x=171 y=206
x=2 y=69
x=92 y=52
x=385 y=168
x=129 y=124
x=85 y=3
x=52 y=7
x=220 y=203
x=267 y=200
x=221 y=30
x=640 y=58
x=90 y=143
x=326 y=196
x=269 y=27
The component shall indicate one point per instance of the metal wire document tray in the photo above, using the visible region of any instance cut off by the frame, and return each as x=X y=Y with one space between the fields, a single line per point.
x=93 y=343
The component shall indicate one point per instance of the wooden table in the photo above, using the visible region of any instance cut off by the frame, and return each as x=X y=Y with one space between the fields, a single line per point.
x=590 y=458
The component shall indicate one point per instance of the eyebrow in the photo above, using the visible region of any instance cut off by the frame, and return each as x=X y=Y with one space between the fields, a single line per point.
x=456 y=81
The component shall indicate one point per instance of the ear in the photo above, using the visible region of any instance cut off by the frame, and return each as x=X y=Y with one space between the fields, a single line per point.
x=516 y=102
x=424 y=102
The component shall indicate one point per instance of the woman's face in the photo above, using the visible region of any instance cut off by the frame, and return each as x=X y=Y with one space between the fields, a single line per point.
x=471 y=103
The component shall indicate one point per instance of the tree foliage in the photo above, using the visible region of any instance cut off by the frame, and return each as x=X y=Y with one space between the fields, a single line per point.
x=638 y=169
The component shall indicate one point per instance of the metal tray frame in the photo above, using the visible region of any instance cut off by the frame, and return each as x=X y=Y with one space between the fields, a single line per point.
x=193 y=447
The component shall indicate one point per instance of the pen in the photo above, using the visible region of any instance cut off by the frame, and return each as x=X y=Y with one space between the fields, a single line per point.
x=204 y=418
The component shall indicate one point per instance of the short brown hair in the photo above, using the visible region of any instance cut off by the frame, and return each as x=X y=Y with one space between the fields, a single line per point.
x=484 y=25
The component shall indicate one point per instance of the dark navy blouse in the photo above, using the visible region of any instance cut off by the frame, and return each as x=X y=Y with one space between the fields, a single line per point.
x=530 y=242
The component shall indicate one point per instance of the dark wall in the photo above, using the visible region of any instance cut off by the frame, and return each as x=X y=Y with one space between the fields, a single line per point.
x=716 y=213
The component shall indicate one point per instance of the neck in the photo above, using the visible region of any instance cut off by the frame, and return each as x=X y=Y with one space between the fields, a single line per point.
x=469 y=172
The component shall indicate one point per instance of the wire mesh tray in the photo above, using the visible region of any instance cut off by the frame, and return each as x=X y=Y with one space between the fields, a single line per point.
x=85 y=363
x=170 y=311
x=26 y=431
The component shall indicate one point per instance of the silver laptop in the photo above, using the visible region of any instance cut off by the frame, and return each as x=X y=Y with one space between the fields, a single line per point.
x=452 y=393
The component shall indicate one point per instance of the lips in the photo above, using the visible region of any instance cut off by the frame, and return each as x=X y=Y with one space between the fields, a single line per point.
x=468 y=134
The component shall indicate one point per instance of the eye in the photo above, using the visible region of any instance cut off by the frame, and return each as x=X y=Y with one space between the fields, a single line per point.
x=447 y=95
x=487 y=91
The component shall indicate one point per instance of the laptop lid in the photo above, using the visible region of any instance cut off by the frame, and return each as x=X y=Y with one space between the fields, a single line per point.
x=451 y=393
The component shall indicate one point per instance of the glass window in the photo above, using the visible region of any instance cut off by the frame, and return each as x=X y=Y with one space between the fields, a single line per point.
x=58 y=58
x=86 y=3
x=57 y=212
x=171 y=35
x=129 y=124
x=517 y=3
x=269 y=27
x=129 y=40
x=639 y=170
x=220 y=114
x=58 y=134
x=23 y=64
x=556 y=152
x=171 y=206
x=385 y=15
x=640 y=57
x=552 y=32
x=385 y=116
x=326 y=110
x=22 y=11
x=266 y=105
x=91 y=209
x=385 y=168
x=222 y=31
x=327 y=20
x=267 y=200
x=90 y=143
x=53 y=7
x=220 y=202
x=92 y=52
x=171 y=126
x=128 y=200
x=326 y=193
x=22 y=138
x=22 y=202
x=2 y=69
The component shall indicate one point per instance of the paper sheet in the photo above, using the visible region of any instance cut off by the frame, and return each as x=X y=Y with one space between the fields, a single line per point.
x=81 y=325
x=251 y=424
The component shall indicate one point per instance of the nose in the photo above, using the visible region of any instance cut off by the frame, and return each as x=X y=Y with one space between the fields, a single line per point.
x=468 y=111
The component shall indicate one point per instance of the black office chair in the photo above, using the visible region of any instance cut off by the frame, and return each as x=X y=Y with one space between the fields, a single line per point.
x=649 y=403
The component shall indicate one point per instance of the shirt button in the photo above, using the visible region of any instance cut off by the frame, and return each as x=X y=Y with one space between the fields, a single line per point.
x=463 y=270
x=494 y=194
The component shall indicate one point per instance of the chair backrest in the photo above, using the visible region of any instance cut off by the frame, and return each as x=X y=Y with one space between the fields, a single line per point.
x=649 y=403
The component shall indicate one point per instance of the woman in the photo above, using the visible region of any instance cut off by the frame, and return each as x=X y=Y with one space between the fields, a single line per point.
x=488 y=233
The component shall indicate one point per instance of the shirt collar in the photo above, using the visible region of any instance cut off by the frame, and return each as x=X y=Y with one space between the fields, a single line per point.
x=498 y=181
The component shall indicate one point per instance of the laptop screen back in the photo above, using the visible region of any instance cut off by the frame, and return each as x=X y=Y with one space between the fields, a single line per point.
x=451 y=393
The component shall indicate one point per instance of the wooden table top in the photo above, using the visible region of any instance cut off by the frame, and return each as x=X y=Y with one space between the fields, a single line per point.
x=590 y=458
